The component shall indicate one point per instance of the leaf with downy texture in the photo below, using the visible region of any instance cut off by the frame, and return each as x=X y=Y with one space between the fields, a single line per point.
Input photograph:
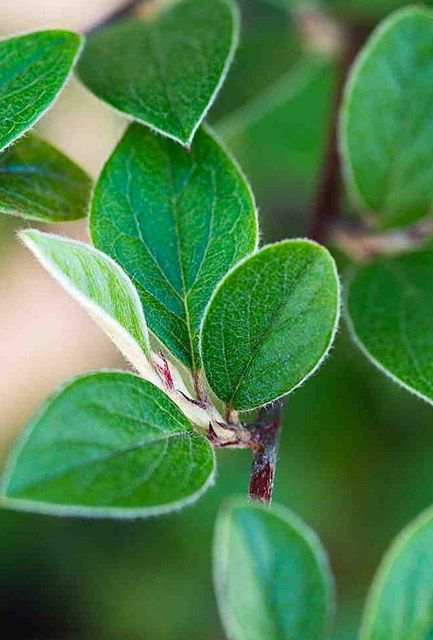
x=100 y=286
x=400 y=603
x=272 y=577
x=270 y=323
x=176 y=222
x=33 y=69
x=39 y=183
x=389 y=306
x=166 y=71
x=108 y=444
x=387 y=121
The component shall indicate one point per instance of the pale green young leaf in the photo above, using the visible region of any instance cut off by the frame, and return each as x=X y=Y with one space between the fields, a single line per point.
x=176 y=222
x=108 y=444
x=270 y=323
x=39 y=183
x=165 y=71
x=387 y=116
x=100 y=286
x=33 y=69
x=271 y=574
x=400 y=603
x=389 y=307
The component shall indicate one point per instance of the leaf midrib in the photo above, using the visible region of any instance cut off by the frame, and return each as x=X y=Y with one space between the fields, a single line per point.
x=260 y=341
x=154 y=52
x=175 y=213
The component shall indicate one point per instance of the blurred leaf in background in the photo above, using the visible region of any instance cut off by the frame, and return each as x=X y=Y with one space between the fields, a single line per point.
x=274 y=114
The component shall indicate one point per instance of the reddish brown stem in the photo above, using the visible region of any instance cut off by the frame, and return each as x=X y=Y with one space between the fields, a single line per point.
x=264 y=437
x=326 y=209
x=327 y=204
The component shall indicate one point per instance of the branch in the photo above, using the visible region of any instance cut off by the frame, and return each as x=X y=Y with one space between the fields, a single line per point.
x=327 y=205
x=362 y=244
x=264 y=443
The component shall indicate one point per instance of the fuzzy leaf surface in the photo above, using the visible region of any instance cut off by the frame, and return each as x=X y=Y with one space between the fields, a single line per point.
x=33 y=69
x=270 y=323
x=166 y=71
x=100 y=286
x=271 y=574
x=108 y=444
x=39 y=183
x=389 y=306
x=176 y=222
x=400 y=602
x=387 y=116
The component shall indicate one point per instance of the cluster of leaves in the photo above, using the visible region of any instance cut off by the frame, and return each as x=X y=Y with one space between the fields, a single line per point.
x=212 y=325
x=272 y=579
x=36 y=180
x=386 y=126
x=175 y=236
x=385 y=132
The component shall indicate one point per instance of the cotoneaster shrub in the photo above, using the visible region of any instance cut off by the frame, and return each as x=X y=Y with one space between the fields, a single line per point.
x=216 y=325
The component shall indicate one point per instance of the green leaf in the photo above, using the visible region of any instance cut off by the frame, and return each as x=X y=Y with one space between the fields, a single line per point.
x=176 y=222
x=100 y=286
x=33 y=69
x=272 y=577
x=108 y=444
x=387 y=115
x=39 y=183
x=389 y=307
x=400 y=603
x=164 y=72
x=270 y=323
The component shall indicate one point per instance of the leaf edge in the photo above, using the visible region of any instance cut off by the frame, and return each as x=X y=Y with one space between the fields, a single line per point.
x=350 y=180
x=335 y=328
x=286 y=515
x=386 y=564
x=115 y=513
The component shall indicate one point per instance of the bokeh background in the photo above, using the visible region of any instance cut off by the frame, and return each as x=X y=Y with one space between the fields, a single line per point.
x=356 y=451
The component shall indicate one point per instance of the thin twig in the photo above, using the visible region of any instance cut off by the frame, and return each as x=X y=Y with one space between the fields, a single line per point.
x=327 y=205
x=264 y=442
x=363 y=244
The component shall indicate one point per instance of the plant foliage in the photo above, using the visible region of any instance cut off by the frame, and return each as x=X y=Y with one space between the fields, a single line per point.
x=215 y=326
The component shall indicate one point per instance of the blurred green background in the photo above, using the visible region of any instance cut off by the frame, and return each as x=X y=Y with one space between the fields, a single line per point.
x=356 y=451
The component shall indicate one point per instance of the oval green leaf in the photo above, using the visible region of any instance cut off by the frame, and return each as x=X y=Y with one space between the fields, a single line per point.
x=389 y=308
x=270 y=323
x=400 y=603
x=176 y=222
x=33 y=69
x=39 y=183
x=387 y=115
x=108 y=444
x=164 y=72
x=271 y=574
x=100 y=286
